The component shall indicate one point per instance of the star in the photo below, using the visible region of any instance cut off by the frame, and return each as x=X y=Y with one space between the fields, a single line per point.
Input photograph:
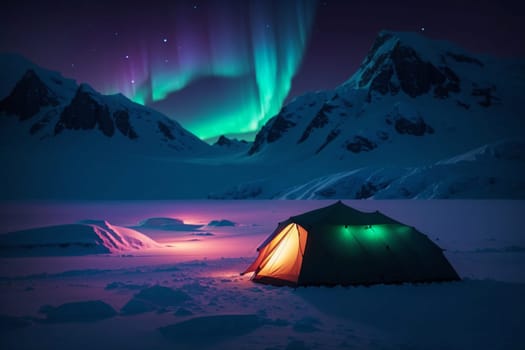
x=165 y=40
x=422 y=29
x=194 y=6
x=166 y=60
x=116 y=33
x=126 y=57
x=132 y=81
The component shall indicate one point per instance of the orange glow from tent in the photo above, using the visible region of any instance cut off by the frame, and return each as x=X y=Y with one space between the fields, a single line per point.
x=283 y=257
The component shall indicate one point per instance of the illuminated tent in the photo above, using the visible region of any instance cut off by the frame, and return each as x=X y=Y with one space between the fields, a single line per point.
x=340 y=245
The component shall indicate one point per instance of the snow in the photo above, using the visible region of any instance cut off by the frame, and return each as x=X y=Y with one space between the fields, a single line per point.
x=311 y=153
x=168 y=224
x=190 y=295
x=88 y=237
x=84 y=311
x=491 y=171
x=222 y=222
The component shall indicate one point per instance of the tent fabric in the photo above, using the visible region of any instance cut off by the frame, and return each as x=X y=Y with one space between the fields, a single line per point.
x=341 y=245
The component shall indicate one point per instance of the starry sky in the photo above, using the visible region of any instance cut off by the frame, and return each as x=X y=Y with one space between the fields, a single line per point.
x=227 y=66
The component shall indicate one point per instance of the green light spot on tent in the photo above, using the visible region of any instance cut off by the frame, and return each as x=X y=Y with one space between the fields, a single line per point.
x=345 y=232
x=374 y=232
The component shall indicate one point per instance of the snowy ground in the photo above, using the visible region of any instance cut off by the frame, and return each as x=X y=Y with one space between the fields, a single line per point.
x=188 y=294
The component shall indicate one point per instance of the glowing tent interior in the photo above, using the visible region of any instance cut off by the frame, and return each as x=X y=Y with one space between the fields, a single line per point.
x=339 y=245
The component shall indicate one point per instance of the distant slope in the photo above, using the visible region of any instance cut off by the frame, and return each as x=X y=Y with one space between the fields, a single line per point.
x=412 y=100
x=491 y=171
x=89 y=237
x=40 y=108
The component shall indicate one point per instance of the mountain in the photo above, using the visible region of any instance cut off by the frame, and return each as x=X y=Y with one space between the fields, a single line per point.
x=43 y=108
x=224 y=141
x=392 y=130
x=86 y=237
x=412 y=100
x=491 y=171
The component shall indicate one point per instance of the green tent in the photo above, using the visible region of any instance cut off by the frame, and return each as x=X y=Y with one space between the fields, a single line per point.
x=339 y=245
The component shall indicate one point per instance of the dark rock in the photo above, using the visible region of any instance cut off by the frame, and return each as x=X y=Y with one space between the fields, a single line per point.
x=383 y=82
x=331 y=136
x=360 y=144
x=28 y=96
x=320 y=120
x=85 y=113
x=39 y=125
x=368 y=189
x=380 y=40
x=416 y=127
x=348 y=104
x=271 y=132
x=415 y=75
x=464 y=59
x=450 y=85
x=123 y=124
x=165 y=130
x=279 y=126
x=223 y=141
x=370 y=71
x=463 y=104
x=487 y=97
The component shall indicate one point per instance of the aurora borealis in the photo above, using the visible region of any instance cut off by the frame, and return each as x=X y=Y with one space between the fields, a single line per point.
x=258 y=47
x=227 y=66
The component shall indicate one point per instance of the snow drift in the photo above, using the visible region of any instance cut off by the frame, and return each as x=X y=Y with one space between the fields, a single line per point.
x=87 y=237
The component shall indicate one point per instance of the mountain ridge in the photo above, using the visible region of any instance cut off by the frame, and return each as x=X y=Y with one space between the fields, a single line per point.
x=412 y=107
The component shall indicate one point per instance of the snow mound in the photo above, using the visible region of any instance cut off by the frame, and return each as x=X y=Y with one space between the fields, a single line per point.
x=121 y=285
x=209 y=329
x=155 y=298
x=491 y=171
x=83 y=311
x=86 y=237
x=167 y=224
x=8 y=323
x=220 y=223
x=503 y=150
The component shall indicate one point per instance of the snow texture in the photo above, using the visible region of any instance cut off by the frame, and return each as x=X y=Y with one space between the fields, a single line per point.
x=185 y=296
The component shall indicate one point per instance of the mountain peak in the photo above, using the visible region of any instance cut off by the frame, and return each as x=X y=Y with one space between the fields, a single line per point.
x=29 y=95
x=413 y=64
x=224 y=141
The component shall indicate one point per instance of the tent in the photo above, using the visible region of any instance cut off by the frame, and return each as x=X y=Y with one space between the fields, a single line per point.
x=339 y=245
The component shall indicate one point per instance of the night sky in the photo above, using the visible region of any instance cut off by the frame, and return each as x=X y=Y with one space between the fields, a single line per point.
x=226 y=67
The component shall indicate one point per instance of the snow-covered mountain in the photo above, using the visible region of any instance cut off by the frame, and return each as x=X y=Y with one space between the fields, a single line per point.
x=394 y=129
x=42 y=109
x=86 y=237
x=412 y=100
x=491 y=171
